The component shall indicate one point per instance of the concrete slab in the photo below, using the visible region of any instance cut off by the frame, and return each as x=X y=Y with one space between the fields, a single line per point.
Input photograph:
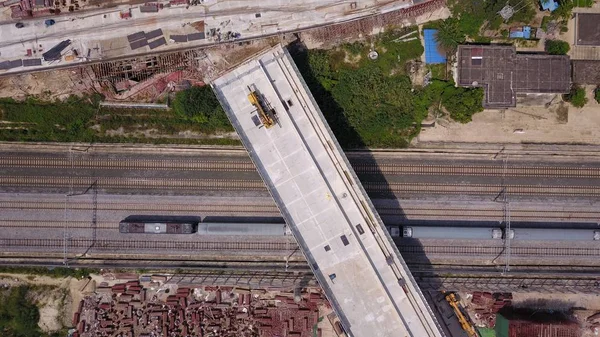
x=235 y=20
x=322 y=200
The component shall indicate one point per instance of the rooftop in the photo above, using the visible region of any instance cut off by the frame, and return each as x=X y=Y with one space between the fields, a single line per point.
x=503 y=73
x=587 y=31
x=341 y=235
x=586 y=72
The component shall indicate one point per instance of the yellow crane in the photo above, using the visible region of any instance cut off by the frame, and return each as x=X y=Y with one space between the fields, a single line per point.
x=465 y=323
x=265 y=112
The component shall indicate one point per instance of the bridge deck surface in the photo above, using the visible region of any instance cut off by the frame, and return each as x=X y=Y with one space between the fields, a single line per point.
x=323 y=202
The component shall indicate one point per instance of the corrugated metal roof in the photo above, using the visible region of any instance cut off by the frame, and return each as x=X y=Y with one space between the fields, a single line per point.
x=32 y=62
x=16 y=63
x=196 y=36
x=149 y=9
x=136 y=36
x=179 y=38
x=154 y=34
x=157 y=43
x=138 y=44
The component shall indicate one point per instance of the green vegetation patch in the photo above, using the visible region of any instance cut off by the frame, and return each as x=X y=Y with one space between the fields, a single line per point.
x=36 y=120
x=195 y=118
x=557 y=47
x=372 y=103
x=470 y=18
x=199 y=104
x=18 y=315
x=597 y=94
x=576 y=97
x=57 y=272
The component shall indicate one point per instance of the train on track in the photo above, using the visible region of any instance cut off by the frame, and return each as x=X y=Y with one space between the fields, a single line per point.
x=193 y=225
x=495 y=233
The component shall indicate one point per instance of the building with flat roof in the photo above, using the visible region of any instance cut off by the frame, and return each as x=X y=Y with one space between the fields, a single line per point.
x=586 y=72
x=503 y=73
x=587 y=30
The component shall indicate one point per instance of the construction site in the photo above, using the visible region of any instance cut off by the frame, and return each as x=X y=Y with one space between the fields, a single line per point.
x=150 y=306
x=343 y=260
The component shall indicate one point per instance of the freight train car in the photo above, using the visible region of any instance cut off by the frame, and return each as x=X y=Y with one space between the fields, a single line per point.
x=159 y=224
x=477 y=233
x=156 y=227
x=556 y=234
x=243 y=229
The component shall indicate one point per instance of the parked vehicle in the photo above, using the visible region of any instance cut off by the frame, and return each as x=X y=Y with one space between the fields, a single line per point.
x=49 y=22
x=19 y=25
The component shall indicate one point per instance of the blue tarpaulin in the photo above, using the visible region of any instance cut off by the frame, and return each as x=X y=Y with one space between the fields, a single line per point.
x=527 y=32
x=432 y=54
x=522 y=33
x=549 y=5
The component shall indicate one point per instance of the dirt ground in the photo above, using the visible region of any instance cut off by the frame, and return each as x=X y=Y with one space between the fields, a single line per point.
x=48 y=85
x=54 y=297
x=531 y=123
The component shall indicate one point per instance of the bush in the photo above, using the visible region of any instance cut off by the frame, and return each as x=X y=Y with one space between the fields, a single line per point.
x=597 y=94
x=63 y=121
x=557 y=47
x=18 y=315
x=57 y=272
x=461 y=103
x=200 y=105
x=576 y=97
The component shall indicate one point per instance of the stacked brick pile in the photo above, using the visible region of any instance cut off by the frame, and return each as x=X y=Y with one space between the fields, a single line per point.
x=486 y=305
x=129 y=309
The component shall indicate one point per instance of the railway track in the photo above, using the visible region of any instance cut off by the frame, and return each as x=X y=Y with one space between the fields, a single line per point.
x=132 y=183
x=162 y=207
x=158 y=247
x=411 y=212
x=145 y=184
x=247 y=166
x=482 y=189
x=155 y=246
x=277 y=275
x=468 y=213
x=452 y=251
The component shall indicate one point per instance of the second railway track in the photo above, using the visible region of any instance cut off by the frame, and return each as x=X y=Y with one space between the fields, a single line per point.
x=270 y=210
x=149 y=184
x=361 y=167
x=124 y=245
x=159 y=247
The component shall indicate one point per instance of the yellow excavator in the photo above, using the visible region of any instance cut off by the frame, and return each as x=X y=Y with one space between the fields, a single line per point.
x=265 y=112
x=465 y=323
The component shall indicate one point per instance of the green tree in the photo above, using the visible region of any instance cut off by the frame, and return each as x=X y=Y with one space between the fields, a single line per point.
x=597 y=94
x=449 y=34
x=576 y=97
x=199 y=104
x=18 y=315
x=557 y=47
x=463 y=103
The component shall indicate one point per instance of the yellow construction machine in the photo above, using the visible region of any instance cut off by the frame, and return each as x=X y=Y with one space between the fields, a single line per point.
x=265 y=112
x=465 y=323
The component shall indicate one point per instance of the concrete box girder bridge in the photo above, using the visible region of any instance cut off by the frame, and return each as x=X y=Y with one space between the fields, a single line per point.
x=336 y=226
